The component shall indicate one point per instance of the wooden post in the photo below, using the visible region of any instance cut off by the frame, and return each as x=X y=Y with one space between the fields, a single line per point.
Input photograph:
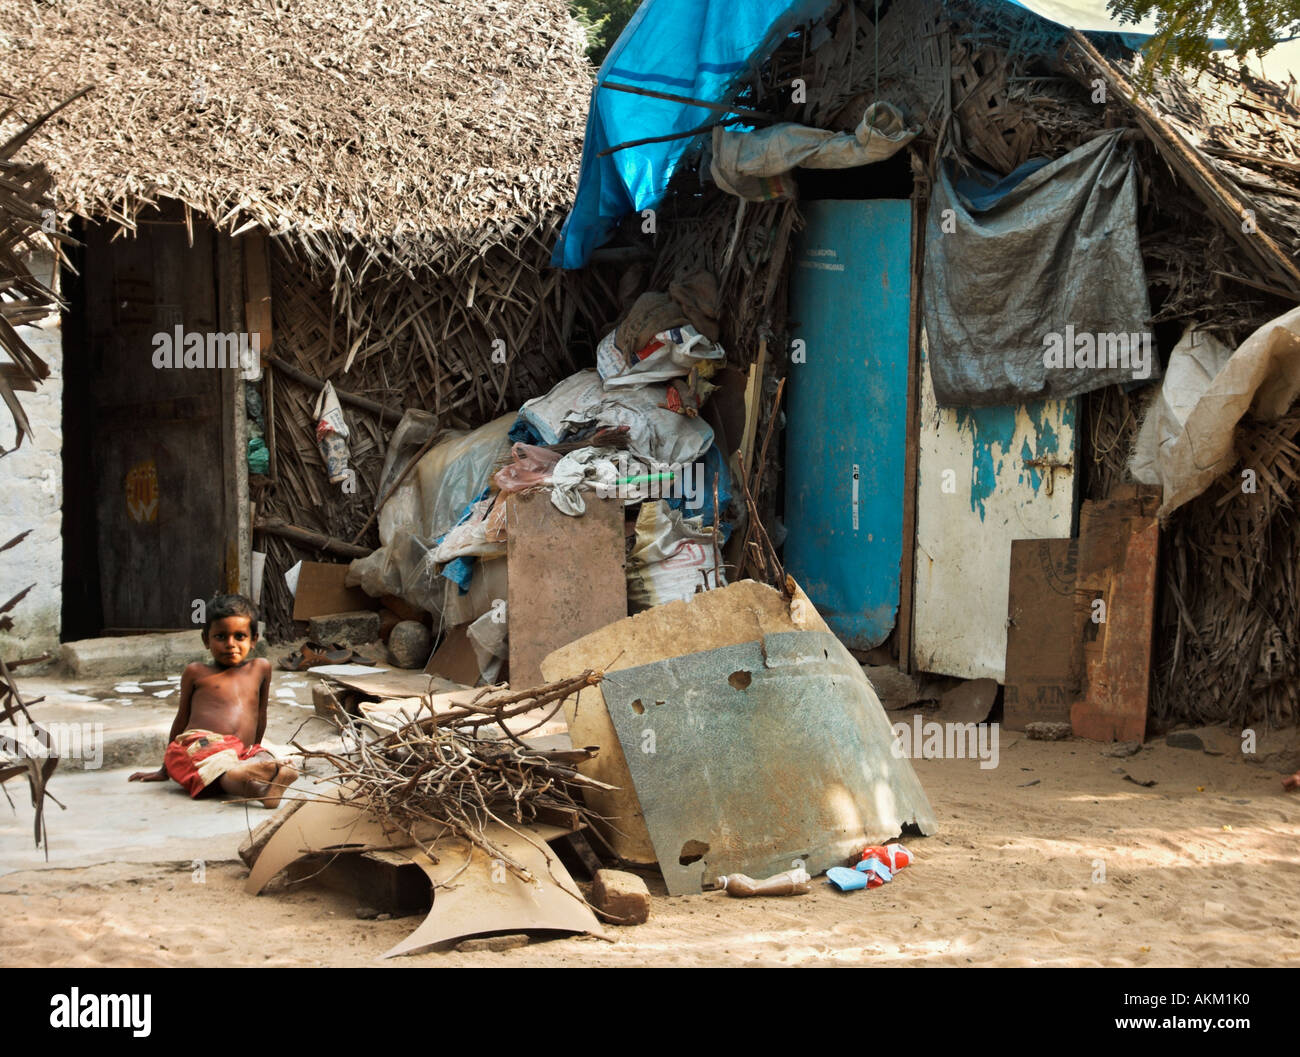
x=907 y=579
x=234 y=421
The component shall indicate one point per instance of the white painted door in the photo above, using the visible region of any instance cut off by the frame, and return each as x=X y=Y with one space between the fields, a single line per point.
x=985 y=476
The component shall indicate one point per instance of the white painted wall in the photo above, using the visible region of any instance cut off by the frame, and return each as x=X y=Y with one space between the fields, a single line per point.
x=31 y=484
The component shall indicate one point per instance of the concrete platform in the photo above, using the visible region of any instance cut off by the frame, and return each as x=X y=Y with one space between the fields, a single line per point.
x=108 y=819
x=135 y=654
x=103 y=723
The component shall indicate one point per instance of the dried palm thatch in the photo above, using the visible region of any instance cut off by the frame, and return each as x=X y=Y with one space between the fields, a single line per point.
x=26 y=212
x=1230 y=642
x=423 y=133
x=456 y=772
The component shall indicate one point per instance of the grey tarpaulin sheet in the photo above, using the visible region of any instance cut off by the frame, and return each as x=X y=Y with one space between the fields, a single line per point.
x=1009 y=268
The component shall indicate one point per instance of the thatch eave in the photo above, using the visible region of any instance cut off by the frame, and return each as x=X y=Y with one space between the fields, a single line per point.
x=341 y=129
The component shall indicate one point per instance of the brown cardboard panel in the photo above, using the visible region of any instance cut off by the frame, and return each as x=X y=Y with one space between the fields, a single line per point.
x=1118 y=551
x=488 y=898
x=454 y=658
x=485 y=897
x=1042 y=677
x=321 y=591
x=566 y=577
x=396 y=683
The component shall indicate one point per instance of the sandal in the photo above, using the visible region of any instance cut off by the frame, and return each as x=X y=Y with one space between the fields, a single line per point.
x=313 y=654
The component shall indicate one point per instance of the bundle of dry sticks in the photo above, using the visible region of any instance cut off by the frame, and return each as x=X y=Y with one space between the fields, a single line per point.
x=455 y=771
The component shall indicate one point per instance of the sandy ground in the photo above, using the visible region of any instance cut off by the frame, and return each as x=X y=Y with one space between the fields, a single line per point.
x=1051 y=858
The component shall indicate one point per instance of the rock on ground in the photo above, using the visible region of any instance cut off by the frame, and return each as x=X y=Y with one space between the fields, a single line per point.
x=410 y=644
x=621 y=897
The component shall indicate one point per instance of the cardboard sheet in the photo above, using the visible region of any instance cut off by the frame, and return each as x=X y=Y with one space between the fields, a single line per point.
x=321 y=591
x=1043 y=650
x=485 y=897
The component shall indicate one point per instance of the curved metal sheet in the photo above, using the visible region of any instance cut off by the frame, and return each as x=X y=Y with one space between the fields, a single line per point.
x=750 y=757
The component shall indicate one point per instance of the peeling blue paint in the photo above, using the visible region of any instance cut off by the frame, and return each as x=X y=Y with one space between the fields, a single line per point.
x=988 y=426
x=992 y=427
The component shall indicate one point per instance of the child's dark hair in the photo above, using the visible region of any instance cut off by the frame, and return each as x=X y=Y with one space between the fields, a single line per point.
x=221 y=606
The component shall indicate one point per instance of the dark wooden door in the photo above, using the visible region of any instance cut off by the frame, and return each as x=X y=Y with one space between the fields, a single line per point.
x=159 y=495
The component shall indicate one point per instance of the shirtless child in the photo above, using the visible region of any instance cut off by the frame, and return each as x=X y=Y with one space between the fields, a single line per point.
x=222 y=715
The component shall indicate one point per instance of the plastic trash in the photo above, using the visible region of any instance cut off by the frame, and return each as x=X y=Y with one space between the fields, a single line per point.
x=876 y=872
x=671 y=353
x=895 y=856
x=332 y=435
x=846 y=880
x=791 y=883
x=672 y=557
x=529 y=466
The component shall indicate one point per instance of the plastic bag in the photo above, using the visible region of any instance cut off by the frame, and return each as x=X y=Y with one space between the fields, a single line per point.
x=550 y=415
x=332 y=435
x=672 y=353
x=529 y=466
x=656 y=434
x=672 y=558
x=610 y=359
x=481 y=533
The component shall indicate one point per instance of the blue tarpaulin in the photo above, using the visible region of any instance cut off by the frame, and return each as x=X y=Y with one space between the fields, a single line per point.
x=694 y=48
x=699 y=48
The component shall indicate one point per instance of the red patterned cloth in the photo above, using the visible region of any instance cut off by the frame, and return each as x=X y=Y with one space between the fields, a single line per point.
x=197 y=758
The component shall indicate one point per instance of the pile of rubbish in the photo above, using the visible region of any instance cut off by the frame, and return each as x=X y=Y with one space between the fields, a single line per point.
x=649 y=737
x=458 y=770
x=634 y=430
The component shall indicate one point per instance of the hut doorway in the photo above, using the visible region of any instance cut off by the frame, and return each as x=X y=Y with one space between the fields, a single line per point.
x=144 y=466
x=847 y=436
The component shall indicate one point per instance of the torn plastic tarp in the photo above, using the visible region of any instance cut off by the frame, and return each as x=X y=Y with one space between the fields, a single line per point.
x=1187 y=439
x=692 y=48
x=655 y=434
x=742 y=160
x=1031 y=284
x=429 y=503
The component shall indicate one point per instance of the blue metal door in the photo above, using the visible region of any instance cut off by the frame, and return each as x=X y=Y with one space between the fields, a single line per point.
x=847 y=430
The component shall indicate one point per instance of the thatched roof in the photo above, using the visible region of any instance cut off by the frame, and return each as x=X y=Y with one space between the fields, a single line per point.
x=421 y=128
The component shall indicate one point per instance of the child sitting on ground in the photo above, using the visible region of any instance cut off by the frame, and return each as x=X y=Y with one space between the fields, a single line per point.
x=214 y=742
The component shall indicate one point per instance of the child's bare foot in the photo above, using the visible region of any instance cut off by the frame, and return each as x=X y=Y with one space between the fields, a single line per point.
x=284 y=777
x=252 y=779
x=1291 y=784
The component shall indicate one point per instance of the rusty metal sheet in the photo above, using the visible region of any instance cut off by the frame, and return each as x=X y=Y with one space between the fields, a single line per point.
x=1042 y=646
x=750 y=757
x=566 y=577
x=1118 y=545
